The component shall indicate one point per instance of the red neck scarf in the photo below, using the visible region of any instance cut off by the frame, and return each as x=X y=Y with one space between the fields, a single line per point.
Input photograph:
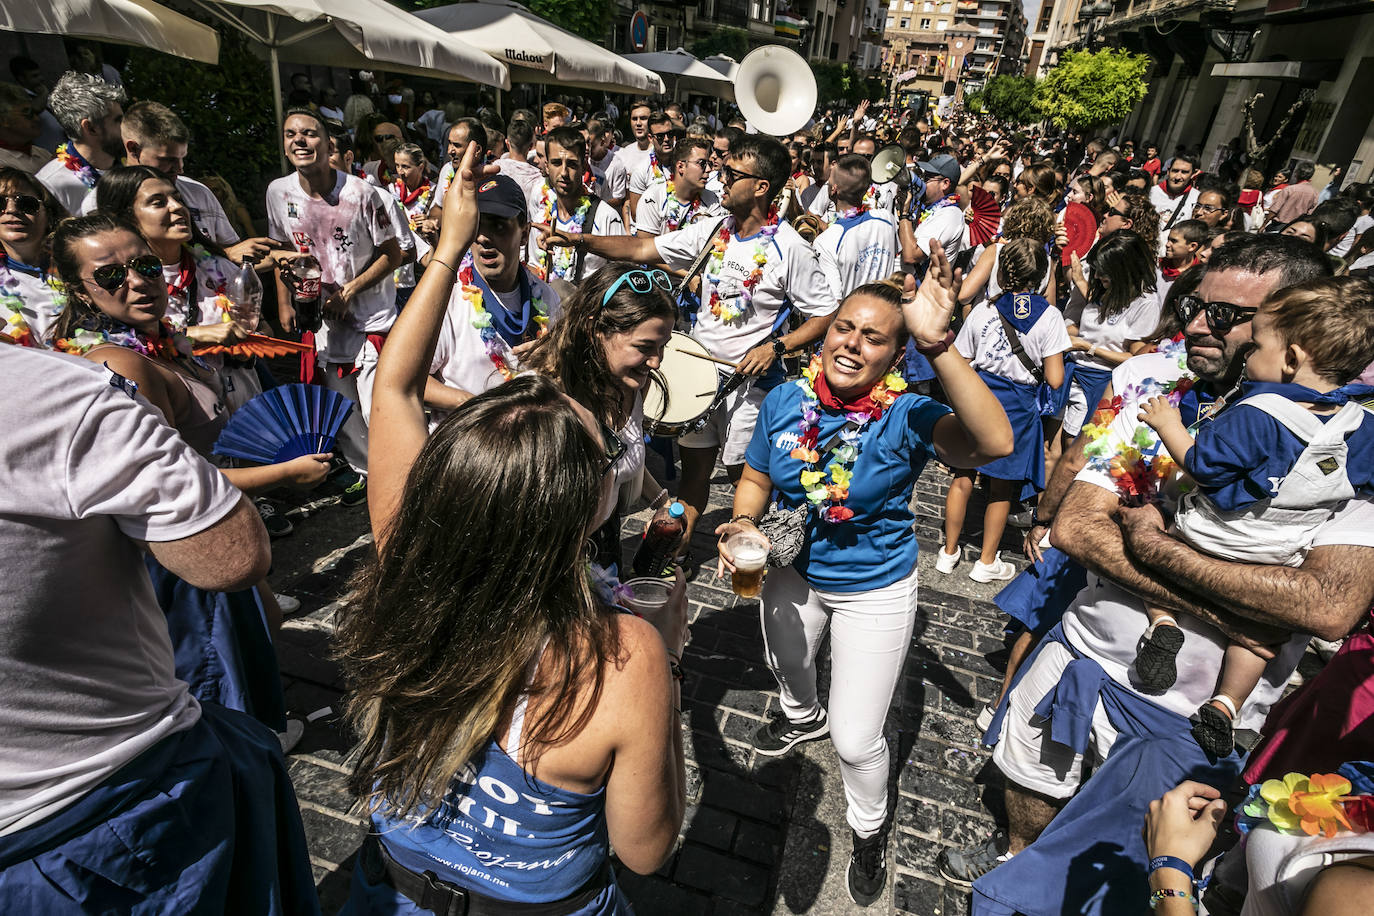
x=184 y=275
x=1167 y=272
x=862 y=404
x=408 y=196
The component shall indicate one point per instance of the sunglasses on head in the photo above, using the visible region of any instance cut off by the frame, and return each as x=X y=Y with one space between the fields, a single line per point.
x=1220 y=316
x=111 y=277
x=24 y=203
x=641 y=281
x=615 y=447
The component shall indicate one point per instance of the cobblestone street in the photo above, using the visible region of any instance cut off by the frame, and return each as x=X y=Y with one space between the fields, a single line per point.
x=762 y=835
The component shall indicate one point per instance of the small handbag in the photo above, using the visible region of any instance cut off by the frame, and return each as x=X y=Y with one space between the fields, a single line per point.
x=786 y=533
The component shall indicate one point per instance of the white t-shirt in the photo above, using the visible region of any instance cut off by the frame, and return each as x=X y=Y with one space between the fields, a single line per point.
x=406 y=219
x=522 y=173
x=878 y=197
x=791 y=273
x=86 y=666
x=983 y=342
x=945 y=225
x=64 y=184
x=649 y=173
x=562 y=262
x=857 y=251
x=212 y=276
x=661 y=212
x=1137 y=322
x=627 y=161
x=39 y=303
x=1106 y=622
x=1165 y=205
x=1362 y=224
x=344 y=231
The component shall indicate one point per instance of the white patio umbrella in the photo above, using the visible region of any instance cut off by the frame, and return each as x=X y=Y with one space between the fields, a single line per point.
x=538 y=51
x=723 y=64
x=686 y=72
x=141 y=23
x=360 y=34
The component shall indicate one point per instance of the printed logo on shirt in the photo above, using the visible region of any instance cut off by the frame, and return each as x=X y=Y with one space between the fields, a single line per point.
x=341 y=239
x=292 y=211
x=302 y=241
x=787 y=441
x=195 y=213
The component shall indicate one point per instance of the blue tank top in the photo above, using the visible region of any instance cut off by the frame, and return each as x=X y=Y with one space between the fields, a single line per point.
x=506 y=834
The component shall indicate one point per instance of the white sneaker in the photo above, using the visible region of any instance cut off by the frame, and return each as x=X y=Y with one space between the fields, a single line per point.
x=985 y=718
x=995 y=571
x=295 y=730
x=287 y=604
x=945 y=562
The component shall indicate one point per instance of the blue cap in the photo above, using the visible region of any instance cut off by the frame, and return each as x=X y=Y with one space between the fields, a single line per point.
x=677 y=510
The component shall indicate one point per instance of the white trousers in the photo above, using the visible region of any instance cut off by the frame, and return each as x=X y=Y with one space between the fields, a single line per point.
x=870 y=633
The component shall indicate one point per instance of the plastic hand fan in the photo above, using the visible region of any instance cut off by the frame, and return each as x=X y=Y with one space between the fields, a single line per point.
x=1081 y=227
x=284 y=423
x=983 y=216
x=256 y=345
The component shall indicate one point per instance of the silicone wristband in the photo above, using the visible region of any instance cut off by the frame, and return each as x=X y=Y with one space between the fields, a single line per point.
x=1173 y=862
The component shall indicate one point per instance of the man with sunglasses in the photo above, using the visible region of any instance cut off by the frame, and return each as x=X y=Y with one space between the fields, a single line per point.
x=720 y=151
x=937 y=215
x=1131 y=559
x=630 y=157
x=744 y=314
x=689 y=201
x=658 y=166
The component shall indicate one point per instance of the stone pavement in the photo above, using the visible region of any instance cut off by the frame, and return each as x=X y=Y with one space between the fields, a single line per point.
x=762 y=835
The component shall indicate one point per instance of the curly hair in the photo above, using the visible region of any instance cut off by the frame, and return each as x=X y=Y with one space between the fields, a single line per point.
x=1029 y=218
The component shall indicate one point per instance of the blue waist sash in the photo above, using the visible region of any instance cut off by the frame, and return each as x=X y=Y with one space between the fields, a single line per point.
x=1026 y=463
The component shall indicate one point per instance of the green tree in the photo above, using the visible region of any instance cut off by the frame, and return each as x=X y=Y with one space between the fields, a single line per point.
x=1011 y=99
x=587 y=18
x=728 y=41
x=1089 y=89
x=226 y=107
x=973 y=103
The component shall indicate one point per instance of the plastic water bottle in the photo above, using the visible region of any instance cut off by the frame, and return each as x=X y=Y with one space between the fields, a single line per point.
x=305 y=292
x=658 y=549
x=245 y=292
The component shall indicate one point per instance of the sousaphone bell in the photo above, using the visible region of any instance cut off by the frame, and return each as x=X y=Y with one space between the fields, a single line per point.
x=775 y=90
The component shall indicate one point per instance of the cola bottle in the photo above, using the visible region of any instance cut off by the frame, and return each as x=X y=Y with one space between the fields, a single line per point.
x=245 y=292
x=659 y=546
x=304 y=283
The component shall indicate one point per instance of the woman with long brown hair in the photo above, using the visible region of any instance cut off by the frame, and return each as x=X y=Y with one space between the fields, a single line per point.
x=514 y=724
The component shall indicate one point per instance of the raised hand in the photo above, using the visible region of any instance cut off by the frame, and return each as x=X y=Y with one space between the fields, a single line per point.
x=929 y=309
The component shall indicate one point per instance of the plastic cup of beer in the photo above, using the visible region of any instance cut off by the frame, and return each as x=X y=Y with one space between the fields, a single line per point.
x=648 y=597
x=750 y=553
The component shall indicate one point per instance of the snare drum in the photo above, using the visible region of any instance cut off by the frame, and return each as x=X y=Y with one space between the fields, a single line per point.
x=691 y=379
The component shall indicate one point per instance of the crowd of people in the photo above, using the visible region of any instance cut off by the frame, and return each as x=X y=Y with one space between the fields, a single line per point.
x=1160 y=373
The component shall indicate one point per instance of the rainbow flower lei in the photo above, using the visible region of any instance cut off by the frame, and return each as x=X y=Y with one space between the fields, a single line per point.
x=103 y=330
x=75 y=162
x=860 y=210
x=1139 y=467
x=716 y=262
x=1320 y=804
x=654 y=167
x=495 y=346
x=828 y=498
x=677 y=214
x=561 y=259
x=15 y=326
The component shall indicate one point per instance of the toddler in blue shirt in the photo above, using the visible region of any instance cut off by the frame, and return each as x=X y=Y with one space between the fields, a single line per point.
x=1271 y=467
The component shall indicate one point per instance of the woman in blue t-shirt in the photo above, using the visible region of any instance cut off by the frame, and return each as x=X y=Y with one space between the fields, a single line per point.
x=847 y=442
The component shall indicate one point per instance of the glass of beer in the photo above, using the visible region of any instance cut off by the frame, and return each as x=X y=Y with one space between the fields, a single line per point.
x=750 y=552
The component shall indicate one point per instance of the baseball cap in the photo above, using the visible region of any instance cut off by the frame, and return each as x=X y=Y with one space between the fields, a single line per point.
x=501 y=196
x=943 y=164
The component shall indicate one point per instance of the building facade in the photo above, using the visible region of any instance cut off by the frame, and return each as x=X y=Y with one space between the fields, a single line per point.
x=968 y=41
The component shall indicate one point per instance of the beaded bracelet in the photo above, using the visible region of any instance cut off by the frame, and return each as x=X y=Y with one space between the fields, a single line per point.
x=1166 y=892
x=752 y=518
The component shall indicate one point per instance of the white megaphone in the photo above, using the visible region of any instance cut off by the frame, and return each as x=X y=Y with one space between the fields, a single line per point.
x=775 y=90
x=889 y=164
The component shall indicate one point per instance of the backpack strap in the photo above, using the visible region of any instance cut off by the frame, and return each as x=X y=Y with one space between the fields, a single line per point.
x=1302 y=422
x=588 y=227
x=1020 y=351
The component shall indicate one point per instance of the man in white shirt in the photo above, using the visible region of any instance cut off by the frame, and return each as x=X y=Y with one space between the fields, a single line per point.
x=1175 y=196
x=720 y=152
x=656 y=168
x=562 y=201
x=89 y=110
x=515 y=163
x=1131 y=559
x=99 y=740
x=878 y=196
x=601 y=150
x=19 y=128
x=861 y=245
x=345 y=224
x=939 y=216
x=661 y=210
x=743 y=315
x=630 y=157
x=460 y=134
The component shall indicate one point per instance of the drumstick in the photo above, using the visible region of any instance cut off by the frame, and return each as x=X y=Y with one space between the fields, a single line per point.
x=723 y=362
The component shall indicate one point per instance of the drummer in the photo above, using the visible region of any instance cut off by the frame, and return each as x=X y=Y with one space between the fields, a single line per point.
x=497 y=307
x=759 y=265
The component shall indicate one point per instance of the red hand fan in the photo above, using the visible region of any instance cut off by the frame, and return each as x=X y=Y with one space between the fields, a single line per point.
x=256 y=345
x=983 y=216
x=1081 y=227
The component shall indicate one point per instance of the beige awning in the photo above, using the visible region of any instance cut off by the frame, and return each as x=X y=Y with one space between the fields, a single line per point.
x=141 y=23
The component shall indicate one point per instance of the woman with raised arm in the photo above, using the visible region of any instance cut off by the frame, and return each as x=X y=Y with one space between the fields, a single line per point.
x=509 y=713
x=846 y=444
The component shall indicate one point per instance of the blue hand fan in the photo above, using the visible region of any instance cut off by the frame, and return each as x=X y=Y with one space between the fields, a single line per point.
x=284 y=423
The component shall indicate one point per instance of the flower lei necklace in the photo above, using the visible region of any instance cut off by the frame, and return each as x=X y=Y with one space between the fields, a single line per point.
x=15 y=326
x=860 y=210
x=943 y=202
x=407 y=196
x=99 y=329
x=677 y=214
x=829 y=498
x=719 y=308
x=75 y=162
x=562 y=258
x=496 y=348
x=654 y=166
x=1317 y=805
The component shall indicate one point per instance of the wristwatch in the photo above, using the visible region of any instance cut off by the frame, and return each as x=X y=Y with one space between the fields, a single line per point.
x=936 y=349
x=779 y=348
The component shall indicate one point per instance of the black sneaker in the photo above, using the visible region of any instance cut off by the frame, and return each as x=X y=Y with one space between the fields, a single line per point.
x=277 y=525
x=779 y=735
x=1156 y=664
x=355 y=494
x=964 y=866
x=868 y=868
x=1212 y=730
